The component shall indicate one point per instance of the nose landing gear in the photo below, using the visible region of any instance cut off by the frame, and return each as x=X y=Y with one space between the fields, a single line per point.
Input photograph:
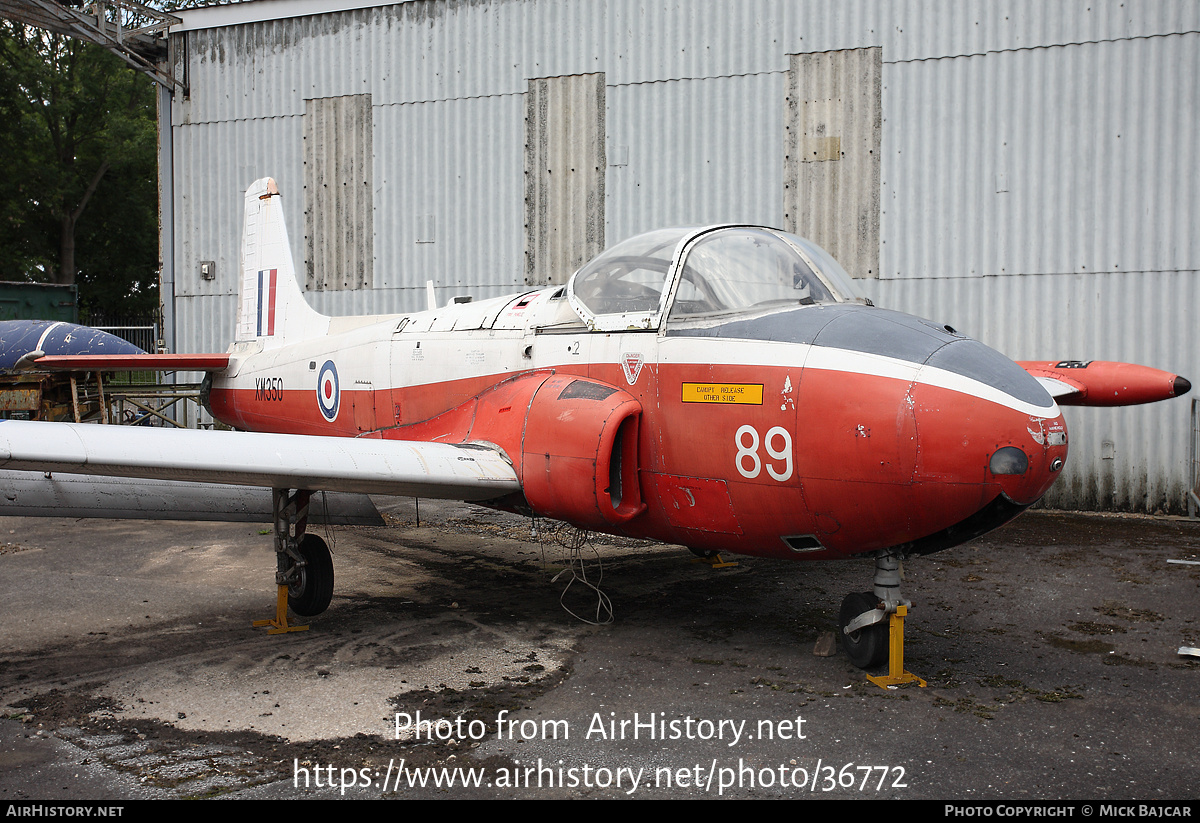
x=868 y=640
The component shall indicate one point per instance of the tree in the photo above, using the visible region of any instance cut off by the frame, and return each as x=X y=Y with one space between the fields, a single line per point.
x=78 y=199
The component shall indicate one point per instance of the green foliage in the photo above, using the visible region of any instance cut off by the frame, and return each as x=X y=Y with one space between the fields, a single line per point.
x=78 y=197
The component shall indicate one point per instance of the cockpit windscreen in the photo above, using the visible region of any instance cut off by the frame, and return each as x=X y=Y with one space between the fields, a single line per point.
x=741 y=269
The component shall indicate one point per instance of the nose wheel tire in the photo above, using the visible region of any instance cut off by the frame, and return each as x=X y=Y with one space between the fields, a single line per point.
x=867 y=647
x=312 y=590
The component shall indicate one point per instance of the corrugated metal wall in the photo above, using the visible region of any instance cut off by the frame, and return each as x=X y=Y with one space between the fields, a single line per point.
x=1036 y=174
x=831 y=157
x=339 y=220
x=564 y=175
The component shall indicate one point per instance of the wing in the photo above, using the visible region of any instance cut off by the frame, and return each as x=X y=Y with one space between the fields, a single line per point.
x=128 y=362
x=56 y=494
x=1103 y=383
x=362 y=465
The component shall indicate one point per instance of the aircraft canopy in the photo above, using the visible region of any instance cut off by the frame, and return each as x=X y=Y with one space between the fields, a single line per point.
x=693 y=273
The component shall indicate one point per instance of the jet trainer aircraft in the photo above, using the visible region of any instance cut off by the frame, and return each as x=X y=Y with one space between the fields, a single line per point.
x=725 y=388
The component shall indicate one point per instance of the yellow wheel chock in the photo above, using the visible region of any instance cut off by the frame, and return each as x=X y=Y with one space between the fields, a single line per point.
x=896 y=675
x=279 y=624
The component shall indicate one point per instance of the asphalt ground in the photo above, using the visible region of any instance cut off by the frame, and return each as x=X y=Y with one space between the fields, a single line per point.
x=129 y=668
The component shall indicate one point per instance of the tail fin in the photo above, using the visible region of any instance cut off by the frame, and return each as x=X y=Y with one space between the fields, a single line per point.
x=271 y=307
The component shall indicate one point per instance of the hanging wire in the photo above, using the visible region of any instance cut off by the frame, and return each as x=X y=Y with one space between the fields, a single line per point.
x=575 y=541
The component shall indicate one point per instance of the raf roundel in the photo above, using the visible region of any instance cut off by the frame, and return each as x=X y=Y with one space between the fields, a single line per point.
x=328 y=393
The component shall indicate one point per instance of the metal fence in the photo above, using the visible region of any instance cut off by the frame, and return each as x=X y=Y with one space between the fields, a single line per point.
x=145 y=337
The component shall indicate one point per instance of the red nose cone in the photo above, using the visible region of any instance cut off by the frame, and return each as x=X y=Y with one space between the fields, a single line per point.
x=973 y=450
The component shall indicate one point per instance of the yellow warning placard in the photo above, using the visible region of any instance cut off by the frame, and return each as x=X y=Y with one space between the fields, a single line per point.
x=746 y=393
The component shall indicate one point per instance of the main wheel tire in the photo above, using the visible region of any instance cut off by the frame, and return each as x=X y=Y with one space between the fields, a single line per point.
x=867 y=648
x=313 y=590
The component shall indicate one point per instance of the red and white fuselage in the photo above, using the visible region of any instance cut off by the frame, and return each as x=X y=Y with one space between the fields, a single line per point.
x=725 y=388
x=813 y=425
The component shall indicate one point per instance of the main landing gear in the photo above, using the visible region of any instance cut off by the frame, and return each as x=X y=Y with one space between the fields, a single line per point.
x=872 y=624
x=304 y=567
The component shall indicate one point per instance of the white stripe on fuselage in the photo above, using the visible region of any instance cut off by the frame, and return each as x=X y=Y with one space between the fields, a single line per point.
x=751 y=353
